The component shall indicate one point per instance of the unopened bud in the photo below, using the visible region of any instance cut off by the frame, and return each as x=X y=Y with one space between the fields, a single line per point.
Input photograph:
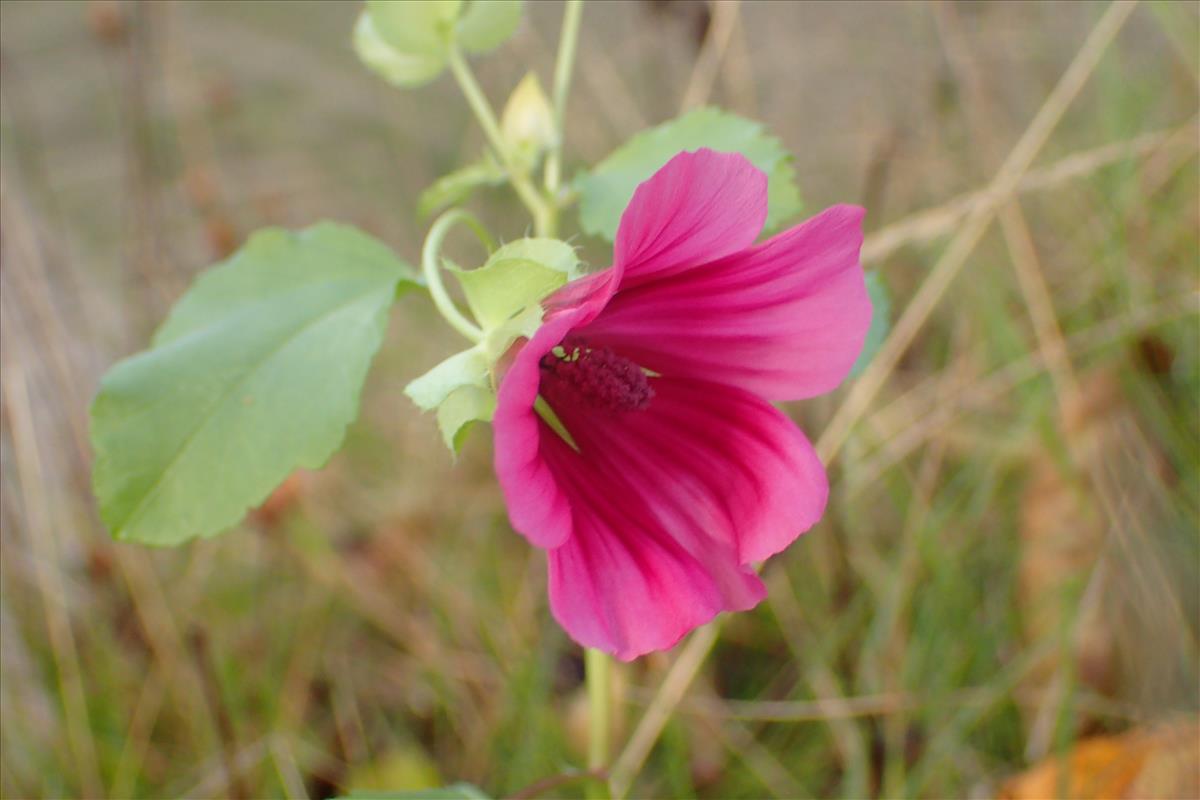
x=527 y=123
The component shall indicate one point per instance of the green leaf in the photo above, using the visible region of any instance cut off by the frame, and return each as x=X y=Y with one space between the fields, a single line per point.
x=455 y=187
x=464 y=406
x=606 y=190
x=256 y=372
x=457 y=791
x=517 y=275
x=486 y=24
x=784 y=203
x=881 y=307
x=416 y=26
x=400 y=68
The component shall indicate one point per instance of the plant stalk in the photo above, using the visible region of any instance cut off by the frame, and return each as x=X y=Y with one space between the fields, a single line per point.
x=598 y=668
x=478 y=102
x=563 y=68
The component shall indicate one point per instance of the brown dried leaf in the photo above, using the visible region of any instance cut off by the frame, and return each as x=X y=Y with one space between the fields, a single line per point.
x=1141 y=764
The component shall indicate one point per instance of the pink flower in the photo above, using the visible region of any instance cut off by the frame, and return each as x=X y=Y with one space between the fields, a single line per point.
x=661 y=369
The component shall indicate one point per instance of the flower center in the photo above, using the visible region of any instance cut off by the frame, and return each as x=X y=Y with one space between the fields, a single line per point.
x=595 y=376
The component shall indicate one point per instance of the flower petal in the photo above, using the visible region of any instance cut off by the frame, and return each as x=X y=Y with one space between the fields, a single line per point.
x=537 y=507
x=669 y=505
x=621 y=585
x=698 y=207
x=785 y=319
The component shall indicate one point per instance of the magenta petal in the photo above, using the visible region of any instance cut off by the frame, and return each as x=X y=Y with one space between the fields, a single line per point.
x=622 y=585
x=537 y=506
x=670 y=505
x=699 y=207
x=685 y=476
x=785 y=319
x=723 y=458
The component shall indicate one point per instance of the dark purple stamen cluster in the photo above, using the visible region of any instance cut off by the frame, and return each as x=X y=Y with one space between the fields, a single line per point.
x=596 y=376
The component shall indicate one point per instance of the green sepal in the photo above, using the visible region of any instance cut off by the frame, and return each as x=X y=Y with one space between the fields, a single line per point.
x=523 y=325
x=505 y=296
x=516 y=276
x=461 y=408
x=468 y=368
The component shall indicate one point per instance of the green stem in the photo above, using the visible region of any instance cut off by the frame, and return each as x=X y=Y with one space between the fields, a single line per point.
x=563 y=68
x=430 y=253
x=597 y=665
x=491 y=129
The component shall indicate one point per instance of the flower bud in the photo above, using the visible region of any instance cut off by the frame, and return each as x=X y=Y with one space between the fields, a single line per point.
x=527 y=123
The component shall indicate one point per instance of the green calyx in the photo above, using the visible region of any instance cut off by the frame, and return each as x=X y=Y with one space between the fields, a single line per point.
x=504 y=296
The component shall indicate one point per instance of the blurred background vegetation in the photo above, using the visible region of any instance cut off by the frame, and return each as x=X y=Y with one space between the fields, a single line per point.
x=1009 y=570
